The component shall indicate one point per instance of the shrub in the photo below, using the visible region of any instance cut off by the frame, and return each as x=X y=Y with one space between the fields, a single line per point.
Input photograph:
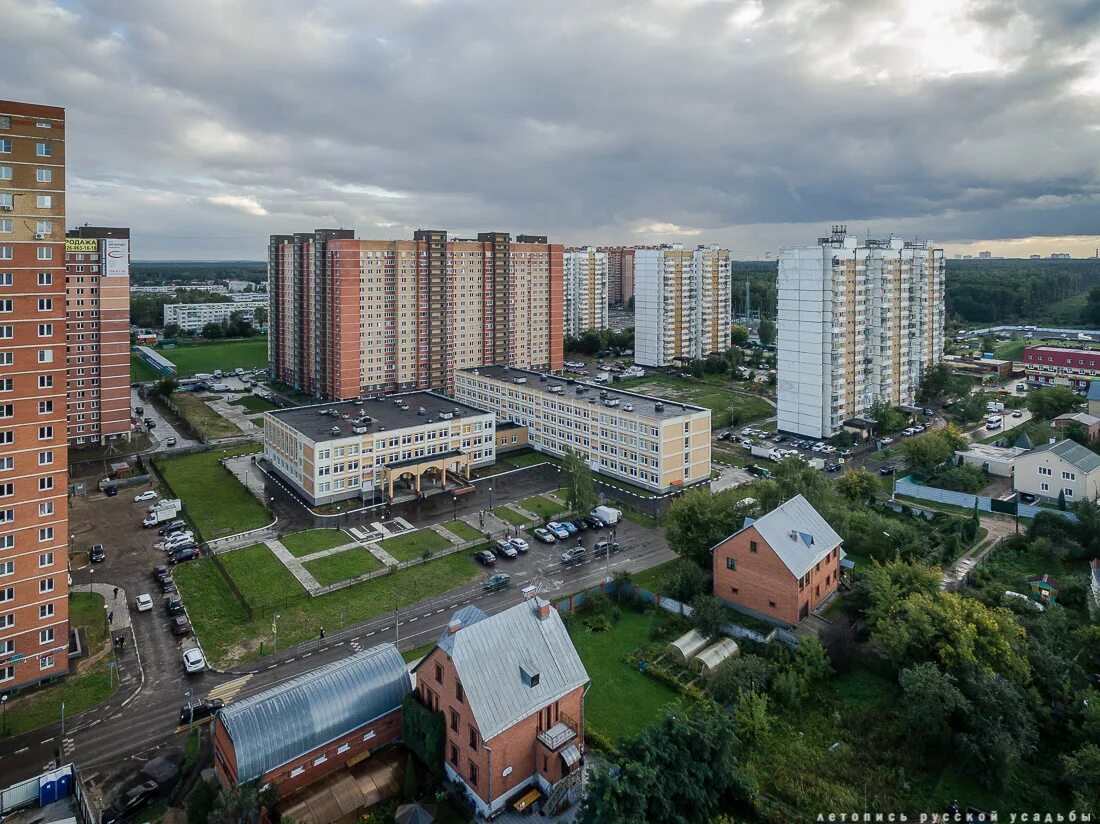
x=596 y=739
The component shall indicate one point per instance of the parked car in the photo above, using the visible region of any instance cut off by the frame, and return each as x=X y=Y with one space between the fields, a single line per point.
x=520 y=544
x=560 y=532
x=173 y=605
x=199 y=710
x=111 y=491
x=573 y=555
x=170 y=442
x=144 y=603
x=579 y=524
x=887 y=470
x=130 y=801
x=1017 y=413
x=603 y=547
x=172 y=526
x=182 y=555
x=504 y=549
x=179 y=625
x=178 y=539
x=908 y=431
x=193 y=661
x=593 y=522
x=545 y=535
x=167 y=586
x=817 y=447
x=918 y=428
x=147 y=495
x=97 y=554
x=176 y=549
x=887 y=441
x=832 y=467
x=139 y=410
x=484 y=556
x=569 y=527
x=160 y=571
x=1026 y=497
x=497 y=582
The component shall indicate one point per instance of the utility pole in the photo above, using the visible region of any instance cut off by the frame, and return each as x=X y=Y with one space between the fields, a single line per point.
x=275 y=633
x=63 y=718
x=397 y=614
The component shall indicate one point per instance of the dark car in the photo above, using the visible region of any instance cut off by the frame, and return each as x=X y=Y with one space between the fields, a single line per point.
x=180 y=626
x=832 y=467
x=167 y=586
x=485 y=557
x=580 y=523
x=724 y=436
x=497 y=582
x=178 y=525
x=504 y=549
x=888 y=470
x=111 y=491
x=160 y=571
x=182 y=555
x=97 y=554
x=1026 y=498
x=140 y=410
x=602 y=548
x=593 y=523
x=200 y=710
x=173 y=605
x=132 y=800
x=573 y=555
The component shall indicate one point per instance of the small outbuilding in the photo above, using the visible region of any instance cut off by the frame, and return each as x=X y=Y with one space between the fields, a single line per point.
x=707 y=661
x=686 y=647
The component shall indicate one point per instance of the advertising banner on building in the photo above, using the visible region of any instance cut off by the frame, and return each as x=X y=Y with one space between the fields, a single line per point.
x=81 y=244
x=116 y=258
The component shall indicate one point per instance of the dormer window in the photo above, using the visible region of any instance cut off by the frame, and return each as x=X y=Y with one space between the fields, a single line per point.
x=529 y=676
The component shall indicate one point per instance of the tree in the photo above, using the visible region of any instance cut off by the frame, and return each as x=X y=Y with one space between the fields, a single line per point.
x=1051 y=402
x=708 y=615
x=1062 y=499
x=766 y=332
x=165 y=387
x=171 y=330
x=259 y=315
x=750 y=717
x=881 y=588
x=1091 y=314
x=989 y=342
x=630 y=304
x=931 y=706
x=699 y=520
x=811 y=662
x=213 y=331
x=736 y=676
x=682 y=581
x=794 y=477
x=1081 y=770
x=935 y=383
x=580 y=490
x=857 y=486
x=739 y=335
x=243 y=805
x=926 y=453
x=1000 y=731
x=888 y=419
x=970 y=408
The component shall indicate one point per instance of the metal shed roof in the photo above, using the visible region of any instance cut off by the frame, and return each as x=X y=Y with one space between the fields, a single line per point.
x=277 y=726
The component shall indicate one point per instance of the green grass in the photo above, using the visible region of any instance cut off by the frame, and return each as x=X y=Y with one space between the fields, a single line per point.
x=82 y=689
x=415 y=653
x=1010 y=349
x=228 y=635
x=260 y=576
x=141 y=371
x=254 y=403
x=718 y=398
x=463 y=530
x=203 y=418
x=414 y=544
x=510 y=516
x=541 y=506
x=213 y=499
x=351 y=563
x=1038 y=431
x=621 y=700
x=193 y=358
x=301 y=544
x=522 y=459
x=651 y=578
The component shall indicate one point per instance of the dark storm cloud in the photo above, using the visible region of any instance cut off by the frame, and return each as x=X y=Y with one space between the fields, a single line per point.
x=749 y=123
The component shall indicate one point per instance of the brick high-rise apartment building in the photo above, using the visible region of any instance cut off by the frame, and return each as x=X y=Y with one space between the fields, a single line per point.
x=585 y=279
x=352 y=318
x=620 y=274
x=34 y=617
x=97 y=261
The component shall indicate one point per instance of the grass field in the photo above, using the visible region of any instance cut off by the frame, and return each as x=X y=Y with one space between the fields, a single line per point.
x=463 y=530
x=532 y=458
x=716 y=398
x=622 y=700
x=651 y=578
x=541 y=506
x=510 y=516
x=228 y=635
x=340 y=566
x=213 y=500
x=414 y=544
x=260 y=576
x=1011 y=349
x=301 y=544
x=254 y=403
x=79 y=691
x=141 y=371
x=191 y=359
x=203 y=418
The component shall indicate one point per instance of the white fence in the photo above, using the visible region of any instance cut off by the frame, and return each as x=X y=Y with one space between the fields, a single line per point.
x=966 y=500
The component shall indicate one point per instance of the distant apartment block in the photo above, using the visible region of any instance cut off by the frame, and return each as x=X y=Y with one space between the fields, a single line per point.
x=653 y=443
x=682 y=303
x=585 y=287
x=216 y=288
x=1061 y=366
x=858 y=321
x=34 y=528
x=353 y=318
x=97 y=264
x=192 y=317
x=620 y=274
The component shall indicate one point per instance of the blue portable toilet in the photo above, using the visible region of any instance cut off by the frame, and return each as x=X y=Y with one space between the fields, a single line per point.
x=64 y=784
x=47 y=789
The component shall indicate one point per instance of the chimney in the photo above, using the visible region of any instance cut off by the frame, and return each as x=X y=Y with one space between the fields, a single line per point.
x=454 y=626
x=542 y=608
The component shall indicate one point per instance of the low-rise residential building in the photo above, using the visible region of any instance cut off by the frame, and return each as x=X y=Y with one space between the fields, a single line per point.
x=414 y=442
x=1093 y=397
x=996 y=460
x=192 y=317
x=1089 y=423
x=1061 y=366
x=653 y=443
x=779 y=567
x=312 y=725
x=1062 y=467
x=511 y=691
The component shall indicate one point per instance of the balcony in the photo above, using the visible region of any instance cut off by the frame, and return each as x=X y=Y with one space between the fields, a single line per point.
x=560 y=734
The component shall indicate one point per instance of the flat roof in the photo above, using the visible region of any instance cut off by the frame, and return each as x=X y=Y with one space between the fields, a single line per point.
x=645 y=405
x=385 y=413
x=990 y=452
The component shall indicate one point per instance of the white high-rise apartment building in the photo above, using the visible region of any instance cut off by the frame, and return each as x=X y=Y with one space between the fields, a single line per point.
x=858 y=322
x=585 y=287
x=681 y=303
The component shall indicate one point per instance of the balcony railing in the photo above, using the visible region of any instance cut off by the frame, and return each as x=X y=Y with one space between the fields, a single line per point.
x=559 y=734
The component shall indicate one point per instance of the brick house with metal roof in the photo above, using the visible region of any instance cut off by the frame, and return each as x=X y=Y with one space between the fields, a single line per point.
x=779 y=567
x=511 y=690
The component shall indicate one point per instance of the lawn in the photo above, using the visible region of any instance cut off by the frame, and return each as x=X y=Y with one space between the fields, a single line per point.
x=203 y=418
x=543 y=507
x=532 y=458
x=414 y=544
x=141 y=371
x=510 y=516
x=228 y=635
x=1011 y=349
x=720 y=400
x=651 y=578
x=254 y=403
x=622 y=700
x=463 y=530
x=193 y=358
x=260 y=576
x=301 y=544
x=80 y=690
x=351 y=563
x=213 y=499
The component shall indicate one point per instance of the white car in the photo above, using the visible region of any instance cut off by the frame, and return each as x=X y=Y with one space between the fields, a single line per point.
x=519 y=544
x=887 y=440
x=908 y=431
x=828 y=449
x=179 y=538
x=147 y=495
x=144 y=603
x=817 y=447
x=919 y=428
x=193 y=661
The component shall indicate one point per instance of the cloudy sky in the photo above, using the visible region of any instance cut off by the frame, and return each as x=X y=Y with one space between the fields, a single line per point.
x=206 y=125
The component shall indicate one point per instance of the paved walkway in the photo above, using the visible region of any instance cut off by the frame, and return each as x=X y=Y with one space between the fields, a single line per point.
x=446 y=533
x=117 y=604
x=294 y=565
x=381 y=554
x=997 y=529
x=324 y=553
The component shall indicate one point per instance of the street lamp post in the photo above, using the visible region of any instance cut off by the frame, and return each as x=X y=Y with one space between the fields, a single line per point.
x=91 y=572
x=190 y=714
x=490 y=499
x=454 y=511
x=275 y=633
x=3 y=716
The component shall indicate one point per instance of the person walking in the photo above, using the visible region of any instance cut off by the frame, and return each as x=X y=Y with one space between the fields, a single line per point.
x=322 y=633
x=110 y=616
x=115 y=595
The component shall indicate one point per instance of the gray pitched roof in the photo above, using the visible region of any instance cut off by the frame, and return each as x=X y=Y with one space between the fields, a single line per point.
x=274 y=727
x=1083 y=418
x=1094 y=391
x=1072 y=452
x=797 y=534
x=490 y=655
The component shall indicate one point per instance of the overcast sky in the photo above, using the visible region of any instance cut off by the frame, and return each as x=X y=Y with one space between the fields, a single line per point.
x=206 y=125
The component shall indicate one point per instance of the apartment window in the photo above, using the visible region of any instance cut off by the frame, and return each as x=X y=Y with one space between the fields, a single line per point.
x=43 y=175
x=458 y=691
x=454 y=721
x=43 y=201
x=8 y=621
x=5 y=145
x=1044 y=487
x=297 y=771
x=5 y=251
x=7 y=568
x=5 y=226
x=1045 y=470
x=45 y=279
x=317 y=762
x=6 y=673
x=473 y=773
x=43 y=150
x=6 y=279
x=45 y=356
x=731 y=563
x=44 y=227
x=45 y=585
x=45 y=304
x=7 y=595
x=45 y=433
x=45 y=636
x=1069 y=476
x=45 y=484
x=473 y=738
x=438 y=674
x=45 y=662
x=7 y=332
x=752 y=546
x=45 y=381
x=7 y=516
x=45 y=611
x=45 y=508
x=7 y=305
x=6 y=491
x=453 y=752
x=771 y=604
x=7 y=384
x=5 y=172
x=6 y=462
x=45 y=533
x=45 y=330
x=5 y=122
x=1068 y=492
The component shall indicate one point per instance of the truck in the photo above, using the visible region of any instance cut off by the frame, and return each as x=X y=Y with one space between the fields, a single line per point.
x=163 y=511
x=607 y=515
x=219 y=387
x=994 y=406
x=765 y=451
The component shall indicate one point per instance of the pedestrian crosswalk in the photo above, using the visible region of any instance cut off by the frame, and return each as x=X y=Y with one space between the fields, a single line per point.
x=229 y=690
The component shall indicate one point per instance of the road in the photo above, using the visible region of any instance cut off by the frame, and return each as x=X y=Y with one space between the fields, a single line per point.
x=163 y=428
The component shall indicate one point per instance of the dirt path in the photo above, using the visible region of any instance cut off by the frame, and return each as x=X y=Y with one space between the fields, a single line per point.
x=997 y=528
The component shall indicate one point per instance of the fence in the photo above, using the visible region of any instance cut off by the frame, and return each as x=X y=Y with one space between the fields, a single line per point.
x=967 y=501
